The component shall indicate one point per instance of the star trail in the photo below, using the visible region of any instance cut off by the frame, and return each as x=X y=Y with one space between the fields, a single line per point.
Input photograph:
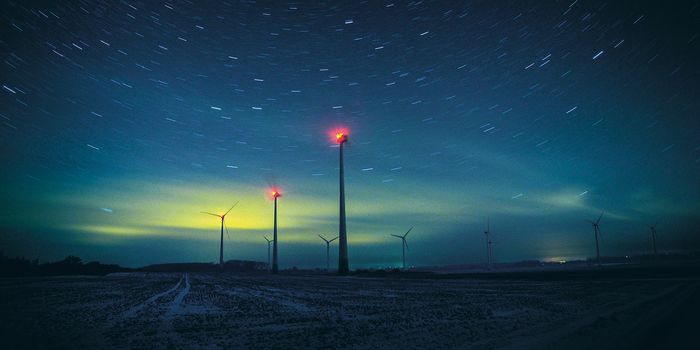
x=122 y=120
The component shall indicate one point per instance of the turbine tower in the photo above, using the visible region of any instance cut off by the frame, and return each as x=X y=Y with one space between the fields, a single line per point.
x=653 y=238
x=404 y=245
x=275 y=195
x=268 y=251
x=221 y=245
x=328 y=251
x=343 y=265
x=489 y=249
x=596 y=231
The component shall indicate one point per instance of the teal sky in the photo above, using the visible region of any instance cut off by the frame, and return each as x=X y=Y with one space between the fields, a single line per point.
x=122 y=121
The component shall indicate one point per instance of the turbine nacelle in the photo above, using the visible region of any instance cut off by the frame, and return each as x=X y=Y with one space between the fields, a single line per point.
x=326 y=240
x=600 y=217
x=653 y=227
x=403 y=238
x=341 y=137
x=222 y=216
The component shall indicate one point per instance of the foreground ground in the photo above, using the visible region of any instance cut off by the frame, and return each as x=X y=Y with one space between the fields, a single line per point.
x=259 y=311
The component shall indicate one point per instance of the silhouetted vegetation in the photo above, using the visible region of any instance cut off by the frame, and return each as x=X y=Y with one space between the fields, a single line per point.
x=229 y=266
x=71 y=265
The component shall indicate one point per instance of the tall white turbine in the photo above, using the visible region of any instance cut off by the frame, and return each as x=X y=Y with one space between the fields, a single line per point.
x=489 y=243
x=653 y=238
x=404 y=245
x=596 y=231
x=275 y=194
x=221 y=244
x=328 y=251
x=343 y=264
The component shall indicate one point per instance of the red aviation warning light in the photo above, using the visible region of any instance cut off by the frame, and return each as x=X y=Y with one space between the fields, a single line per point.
x=341 y=135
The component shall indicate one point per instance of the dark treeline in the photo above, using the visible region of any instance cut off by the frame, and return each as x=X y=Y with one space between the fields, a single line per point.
x=71 y=265
x=231 y=265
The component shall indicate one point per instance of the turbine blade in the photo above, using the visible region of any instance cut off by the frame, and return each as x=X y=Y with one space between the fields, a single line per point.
x=405 y=243
x=230 y=208
x=226 y=227
x=333 y=239
x=409 y=230
x=267 y=239
x=600 y=217
x=323 y=238
x=206 y=212
x=397 y=236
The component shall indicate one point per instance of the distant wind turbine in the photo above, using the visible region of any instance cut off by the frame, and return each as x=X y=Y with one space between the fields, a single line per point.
x=404 y=245
x=328 y=251
x=596 y=231
x=489 y=243
x=275 y=194
x=221 y=244
x=268 y=251
x=341 y=137
x=653 y=238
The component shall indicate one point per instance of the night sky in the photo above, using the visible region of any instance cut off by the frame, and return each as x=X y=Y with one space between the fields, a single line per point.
x=122 y=120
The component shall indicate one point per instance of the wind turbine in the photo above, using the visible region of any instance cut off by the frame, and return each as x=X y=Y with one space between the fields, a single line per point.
x=275 y=195
x=341 y=137
x=596 y=231
x=268 y=251
x=653 y=238
x=404 y=245
x=489 y=243
x=328 y=251
x=221 y=245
